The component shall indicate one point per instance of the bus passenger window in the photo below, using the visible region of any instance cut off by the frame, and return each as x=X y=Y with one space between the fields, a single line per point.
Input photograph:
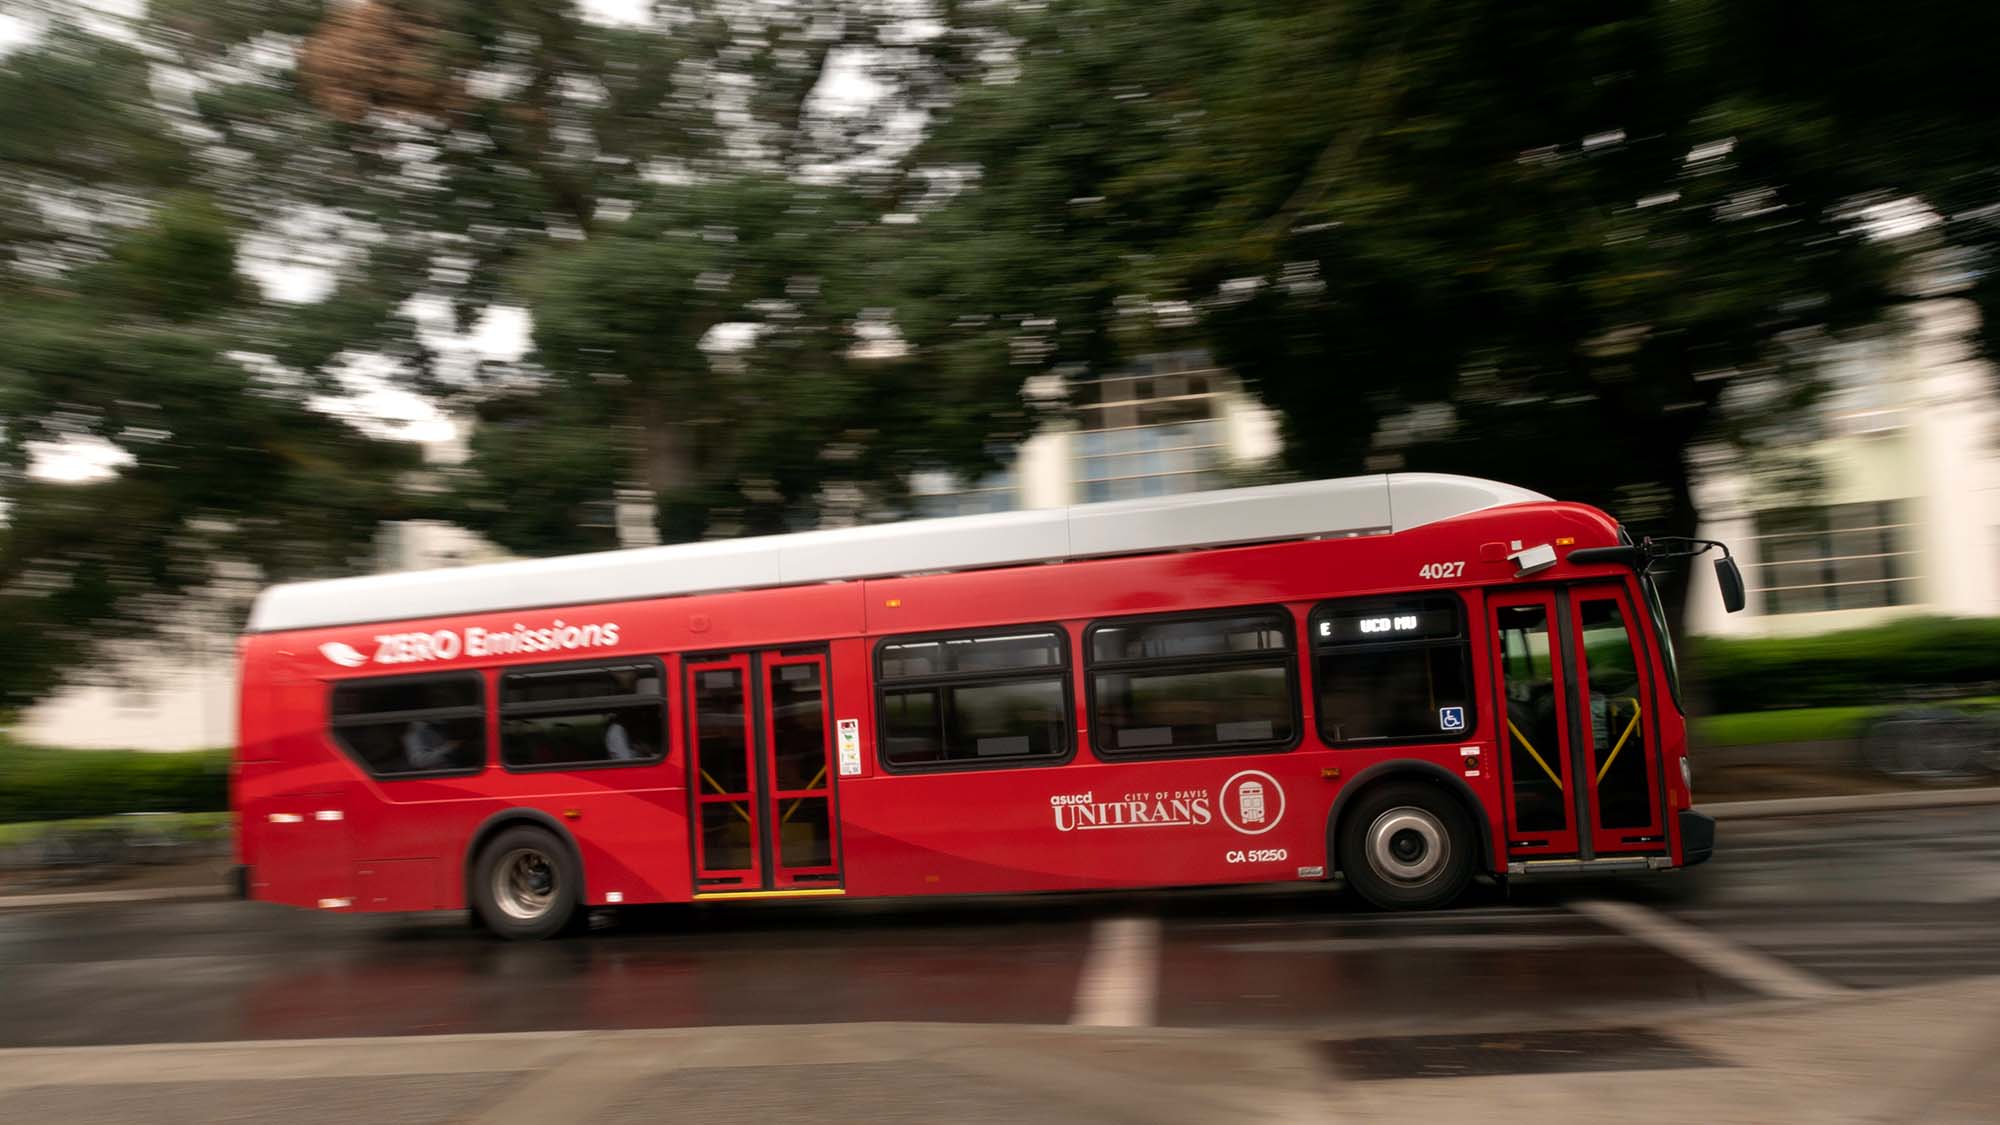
x=601 y=714
x=412 y=726
x=1213 y=683
x=973 y=700
x=1393 y=670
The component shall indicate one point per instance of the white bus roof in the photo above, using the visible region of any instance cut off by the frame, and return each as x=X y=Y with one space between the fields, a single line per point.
x=1365 y=505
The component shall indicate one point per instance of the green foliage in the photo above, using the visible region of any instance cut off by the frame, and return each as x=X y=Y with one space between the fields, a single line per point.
x=1798 y=724
x=44 y=784
x=1882 y=664
x=1580 y=238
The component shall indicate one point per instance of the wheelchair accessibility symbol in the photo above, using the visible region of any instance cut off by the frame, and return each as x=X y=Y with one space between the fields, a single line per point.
x=1451 y=718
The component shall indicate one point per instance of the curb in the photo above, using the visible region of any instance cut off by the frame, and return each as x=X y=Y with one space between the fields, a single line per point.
x=1860 y=802
x=92 y=898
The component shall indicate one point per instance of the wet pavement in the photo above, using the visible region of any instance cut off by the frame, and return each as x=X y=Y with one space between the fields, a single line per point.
x=1861 y=900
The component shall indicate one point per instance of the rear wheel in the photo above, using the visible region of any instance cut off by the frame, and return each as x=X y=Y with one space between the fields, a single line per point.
x=1407 y=846
x=525 y=884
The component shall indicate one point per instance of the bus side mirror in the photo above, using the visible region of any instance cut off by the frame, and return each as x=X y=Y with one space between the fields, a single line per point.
x=1731 y=580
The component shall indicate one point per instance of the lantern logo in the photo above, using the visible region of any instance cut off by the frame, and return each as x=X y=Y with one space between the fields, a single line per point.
x=1252 y=802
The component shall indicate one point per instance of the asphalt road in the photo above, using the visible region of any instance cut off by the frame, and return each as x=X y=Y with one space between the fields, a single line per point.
x=1788 y=907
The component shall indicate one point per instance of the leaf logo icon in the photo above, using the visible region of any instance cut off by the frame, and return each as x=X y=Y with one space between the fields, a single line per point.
x=342 y=654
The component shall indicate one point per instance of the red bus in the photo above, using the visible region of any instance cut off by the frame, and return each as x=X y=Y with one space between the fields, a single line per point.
x=1396 y=680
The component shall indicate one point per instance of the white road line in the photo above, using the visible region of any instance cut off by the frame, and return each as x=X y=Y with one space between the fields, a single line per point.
x=1118 y=984
x=1759 y=971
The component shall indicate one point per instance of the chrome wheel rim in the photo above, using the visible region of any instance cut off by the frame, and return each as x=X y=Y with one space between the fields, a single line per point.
x=1408 y=846
x=525 y=883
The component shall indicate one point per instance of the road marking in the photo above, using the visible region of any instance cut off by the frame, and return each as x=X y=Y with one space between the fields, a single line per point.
x=1758 y=971
x=1118 y=984
x=86 y=898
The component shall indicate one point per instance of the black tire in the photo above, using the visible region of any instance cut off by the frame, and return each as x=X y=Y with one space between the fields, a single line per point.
x=526 y=883
x=1406 y=845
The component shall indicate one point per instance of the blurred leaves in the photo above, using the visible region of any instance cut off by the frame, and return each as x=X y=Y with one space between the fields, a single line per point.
x=778 y=256
x=1567 y=230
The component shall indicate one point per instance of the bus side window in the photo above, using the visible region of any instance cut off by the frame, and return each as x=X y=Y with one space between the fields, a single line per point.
x=1393 y=670
x=1215 y=683
x=975 y=699
x=411 y=726
x=607 y=713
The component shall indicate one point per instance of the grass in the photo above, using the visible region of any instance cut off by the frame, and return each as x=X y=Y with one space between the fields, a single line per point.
x=1803 y=724
x=1800 y=724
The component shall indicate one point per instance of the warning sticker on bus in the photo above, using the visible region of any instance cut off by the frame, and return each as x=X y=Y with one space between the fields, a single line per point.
x=850 y=747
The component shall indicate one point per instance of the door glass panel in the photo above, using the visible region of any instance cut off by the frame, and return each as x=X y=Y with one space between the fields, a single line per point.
x=718 y=711
x=726 y=842
x=805 y=833
x=1618 y=751
x=798 y=728
x=1533 y=718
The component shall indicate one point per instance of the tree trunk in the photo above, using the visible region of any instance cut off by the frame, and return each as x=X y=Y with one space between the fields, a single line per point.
x=1681 y=519
x=665 y=456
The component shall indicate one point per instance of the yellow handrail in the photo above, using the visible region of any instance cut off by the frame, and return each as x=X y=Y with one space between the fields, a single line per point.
x=1530 y=748
x=797 y=801
x=740 y=810
x=1629 y=728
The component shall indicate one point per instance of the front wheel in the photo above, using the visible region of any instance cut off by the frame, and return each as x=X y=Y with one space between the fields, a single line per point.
x=1407 y=846
x=525 y=884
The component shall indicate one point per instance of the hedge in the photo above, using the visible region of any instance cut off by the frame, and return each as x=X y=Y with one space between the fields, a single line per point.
x=44 y=784
x=1910 y=659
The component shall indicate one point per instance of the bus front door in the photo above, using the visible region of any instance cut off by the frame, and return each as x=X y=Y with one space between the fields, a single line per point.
x=1580 y=766
x=761 y=789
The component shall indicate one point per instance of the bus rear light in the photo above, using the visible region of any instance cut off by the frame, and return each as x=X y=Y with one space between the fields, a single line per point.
x=335 y=903
x=328 y=814
x=614 y=896
x=286 y=818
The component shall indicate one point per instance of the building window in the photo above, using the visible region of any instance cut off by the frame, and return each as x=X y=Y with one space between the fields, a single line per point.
x=935 y=494
x=1840 y=556
x=973 y=700
x=1156 y=429
x=1208 y=684
x=1393 y=670
x=413 y=726
x=607 y=714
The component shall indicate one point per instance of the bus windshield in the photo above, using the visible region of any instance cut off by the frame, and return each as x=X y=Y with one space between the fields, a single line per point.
x=1667 y=657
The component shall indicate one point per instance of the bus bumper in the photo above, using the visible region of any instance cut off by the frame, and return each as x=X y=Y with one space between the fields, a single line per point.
x=1697 y=837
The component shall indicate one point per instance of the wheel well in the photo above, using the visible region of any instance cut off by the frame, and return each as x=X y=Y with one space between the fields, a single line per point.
x=501 y=821
x=1428 y=773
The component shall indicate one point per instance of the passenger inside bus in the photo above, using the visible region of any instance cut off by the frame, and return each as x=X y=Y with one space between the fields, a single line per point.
x=426 y=748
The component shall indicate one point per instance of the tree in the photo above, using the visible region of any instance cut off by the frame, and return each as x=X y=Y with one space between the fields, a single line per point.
x=634 y=188
x=1556 y=243
x=121 y=310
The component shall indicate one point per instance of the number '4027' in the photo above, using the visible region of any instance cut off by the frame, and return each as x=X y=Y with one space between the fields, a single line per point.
x=1441 y=570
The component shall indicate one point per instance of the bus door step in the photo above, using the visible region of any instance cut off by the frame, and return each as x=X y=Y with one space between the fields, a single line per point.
x=1533 y=867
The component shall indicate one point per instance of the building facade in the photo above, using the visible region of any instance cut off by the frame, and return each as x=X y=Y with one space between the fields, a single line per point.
x=1905 y=515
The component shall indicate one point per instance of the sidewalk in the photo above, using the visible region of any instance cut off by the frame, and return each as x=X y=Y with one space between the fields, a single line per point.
x=1920 y=1054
